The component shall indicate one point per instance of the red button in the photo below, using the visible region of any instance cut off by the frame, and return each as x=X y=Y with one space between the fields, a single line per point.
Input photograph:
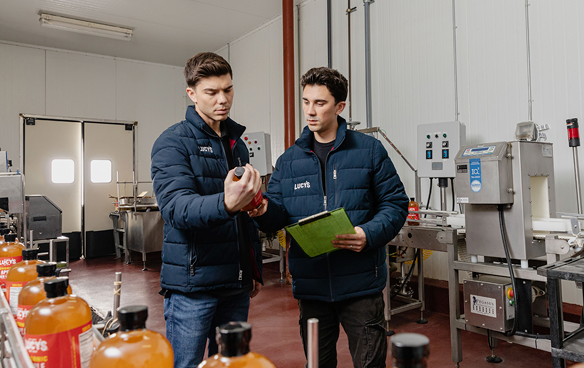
x=245 y=139
x=509 y=293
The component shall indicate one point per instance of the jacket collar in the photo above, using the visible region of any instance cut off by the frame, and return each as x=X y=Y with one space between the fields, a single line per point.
x=306 y=138
x=234 y=130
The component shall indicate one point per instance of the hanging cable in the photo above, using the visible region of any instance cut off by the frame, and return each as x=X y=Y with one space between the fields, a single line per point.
x=452 y=186
x=408 y=276
x=429 y=196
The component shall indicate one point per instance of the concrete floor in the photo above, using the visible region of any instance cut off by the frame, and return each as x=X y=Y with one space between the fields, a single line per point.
x=274 y=317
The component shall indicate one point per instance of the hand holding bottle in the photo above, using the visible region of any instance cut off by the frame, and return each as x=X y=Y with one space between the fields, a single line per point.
x=239 y=193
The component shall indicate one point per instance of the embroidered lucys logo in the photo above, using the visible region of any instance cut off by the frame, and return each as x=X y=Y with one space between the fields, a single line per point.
x=206 y=149
x=304 y=185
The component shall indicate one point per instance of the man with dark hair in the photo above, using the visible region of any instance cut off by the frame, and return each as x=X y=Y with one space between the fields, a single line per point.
x=343 y=168
x=211 y=255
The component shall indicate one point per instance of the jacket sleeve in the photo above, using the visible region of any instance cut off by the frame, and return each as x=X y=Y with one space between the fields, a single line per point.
x=174 y=185
x=390 y=198
x=276 y=216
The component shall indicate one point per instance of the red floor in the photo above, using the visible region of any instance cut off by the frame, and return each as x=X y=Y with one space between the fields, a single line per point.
x=274 y=317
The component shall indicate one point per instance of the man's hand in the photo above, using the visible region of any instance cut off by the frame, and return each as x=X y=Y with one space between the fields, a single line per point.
x=260 y=210
x=355 y=242
x=239 y=193
x=257 y=287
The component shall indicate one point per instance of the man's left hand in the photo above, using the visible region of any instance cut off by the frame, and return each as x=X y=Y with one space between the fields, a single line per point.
x=257 y=287
x=355 y=242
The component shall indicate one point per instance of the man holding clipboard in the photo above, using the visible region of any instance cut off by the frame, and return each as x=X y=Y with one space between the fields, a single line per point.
x=330 y=167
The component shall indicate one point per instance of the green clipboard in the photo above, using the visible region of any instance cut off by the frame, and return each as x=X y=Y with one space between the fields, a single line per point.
x=315 y=233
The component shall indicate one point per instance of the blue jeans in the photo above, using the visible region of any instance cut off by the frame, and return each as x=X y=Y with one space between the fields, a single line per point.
x=191 y=321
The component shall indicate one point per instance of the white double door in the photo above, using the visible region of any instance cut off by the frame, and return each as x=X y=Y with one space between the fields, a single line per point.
x=74 y=164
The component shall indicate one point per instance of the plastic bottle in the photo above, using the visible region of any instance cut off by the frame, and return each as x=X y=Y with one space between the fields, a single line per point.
x=57 y=332
x=413 y=206
x=10 y=254
x=34 y=292
x=257 y=200
x=20 y=274
x=133 y=346
x=234 y=340
x=409 y=350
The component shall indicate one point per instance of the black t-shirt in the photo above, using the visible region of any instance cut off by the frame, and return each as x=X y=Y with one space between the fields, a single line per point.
x=322 y=150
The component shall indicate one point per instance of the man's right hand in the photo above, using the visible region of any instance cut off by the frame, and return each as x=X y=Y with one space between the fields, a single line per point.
x=239 y=193
x=260 y=210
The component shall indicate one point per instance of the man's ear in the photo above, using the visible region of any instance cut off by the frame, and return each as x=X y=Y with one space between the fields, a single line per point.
x=192 y=95
x=340 y=107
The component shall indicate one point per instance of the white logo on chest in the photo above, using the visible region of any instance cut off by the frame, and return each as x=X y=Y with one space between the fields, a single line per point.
x=304 y=185
x=206 y=149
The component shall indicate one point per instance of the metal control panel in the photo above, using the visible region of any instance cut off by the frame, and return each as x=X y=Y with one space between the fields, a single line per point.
x=488 y=303
x=438 y=144
x=260 y=151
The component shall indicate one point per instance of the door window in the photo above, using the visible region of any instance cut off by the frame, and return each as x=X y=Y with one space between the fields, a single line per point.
x=101 y=171
x=62 y=171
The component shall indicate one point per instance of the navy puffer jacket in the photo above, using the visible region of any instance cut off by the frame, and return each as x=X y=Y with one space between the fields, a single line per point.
x=359 y=177
x=200 y=250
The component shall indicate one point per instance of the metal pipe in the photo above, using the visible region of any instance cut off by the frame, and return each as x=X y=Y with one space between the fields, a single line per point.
x=312 y=355
x=577 y=174
x=456 y=113
x=366 y=5
x=348 y=12
x=117 y=294
x=529 y=97
x=329 y=32
x=30 y=239
x=52 y=252
x=288 y=35
x=443 y=205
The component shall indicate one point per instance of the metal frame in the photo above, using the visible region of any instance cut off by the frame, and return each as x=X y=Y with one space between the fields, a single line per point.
x=81 y=121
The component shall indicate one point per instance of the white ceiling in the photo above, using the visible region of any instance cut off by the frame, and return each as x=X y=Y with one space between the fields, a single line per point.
x=165 y=31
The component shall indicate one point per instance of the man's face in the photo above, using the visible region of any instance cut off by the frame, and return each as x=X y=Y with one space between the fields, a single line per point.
x=213 y=97
x=320 y=109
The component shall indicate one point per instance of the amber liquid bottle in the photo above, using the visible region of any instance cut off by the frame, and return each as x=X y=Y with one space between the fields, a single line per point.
x=413 y=206
x=57 y=331
x=234 y=341
x=257 y=200
x=34 y=292
x=10 y=254
x=409 y=350
x=133 y=346
x=19 y=275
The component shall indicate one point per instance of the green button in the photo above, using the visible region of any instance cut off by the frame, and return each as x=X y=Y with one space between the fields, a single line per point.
x=251 y=149
x=258 y=148
x=428 y=136
x=511 y=302
x=444 y=135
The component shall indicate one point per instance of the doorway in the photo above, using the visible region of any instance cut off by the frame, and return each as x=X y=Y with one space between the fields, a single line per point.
x=76 y=163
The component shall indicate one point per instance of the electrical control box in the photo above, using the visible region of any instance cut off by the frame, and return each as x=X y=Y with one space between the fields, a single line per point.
x=488 y=303
x=260 y=151
x=438 y=144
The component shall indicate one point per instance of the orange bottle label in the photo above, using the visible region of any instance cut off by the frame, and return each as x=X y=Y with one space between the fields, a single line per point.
x=21 y=314
x=414 y=216
x=13 y=288
x=67 y=349
x=5 y=264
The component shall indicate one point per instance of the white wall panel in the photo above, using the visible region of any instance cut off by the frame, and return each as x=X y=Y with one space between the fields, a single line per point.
x=154 y=96
x=492 y=61
x=22 y=90
x=80 y=85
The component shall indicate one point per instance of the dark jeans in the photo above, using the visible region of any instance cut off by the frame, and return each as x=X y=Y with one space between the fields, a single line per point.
x=362 y=319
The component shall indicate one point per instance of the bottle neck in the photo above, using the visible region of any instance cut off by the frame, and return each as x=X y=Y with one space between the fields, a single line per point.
x=234 y=350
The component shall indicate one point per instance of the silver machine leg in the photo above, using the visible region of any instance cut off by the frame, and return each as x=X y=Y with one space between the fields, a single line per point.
x=454 y=305
x=117 y=293
x=312 y=342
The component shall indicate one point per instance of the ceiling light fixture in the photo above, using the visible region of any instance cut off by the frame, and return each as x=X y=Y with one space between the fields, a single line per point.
x=85 y=26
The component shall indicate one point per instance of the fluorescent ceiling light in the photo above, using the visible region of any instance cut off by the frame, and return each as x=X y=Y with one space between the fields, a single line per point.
x=85 y=26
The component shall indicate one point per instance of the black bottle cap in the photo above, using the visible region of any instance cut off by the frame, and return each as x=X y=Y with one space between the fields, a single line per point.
x=412 y=199
x=46 y=269
x=56 y=287
x=10 y=238
x=132 y=317
x=409 y=346
x=4 y=231
x=234 y=338
x=29 y=254
x=239 y=171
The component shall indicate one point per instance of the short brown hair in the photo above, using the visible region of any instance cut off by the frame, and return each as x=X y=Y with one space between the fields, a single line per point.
x=330 y=78
x=203 y=65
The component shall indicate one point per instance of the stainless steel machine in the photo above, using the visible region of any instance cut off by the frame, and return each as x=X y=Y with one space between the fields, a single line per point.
x=43 y=217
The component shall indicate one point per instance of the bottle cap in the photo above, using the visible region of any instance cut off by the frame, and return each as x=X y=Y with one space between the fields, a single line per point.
x=46 y=269
x=239 y=171
x=132 y=317
x=56 y=287
x=234 y=338
x=412 y=199
x=29 y=254
x=10 y=238
x=4 y=231
x=409 y=346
